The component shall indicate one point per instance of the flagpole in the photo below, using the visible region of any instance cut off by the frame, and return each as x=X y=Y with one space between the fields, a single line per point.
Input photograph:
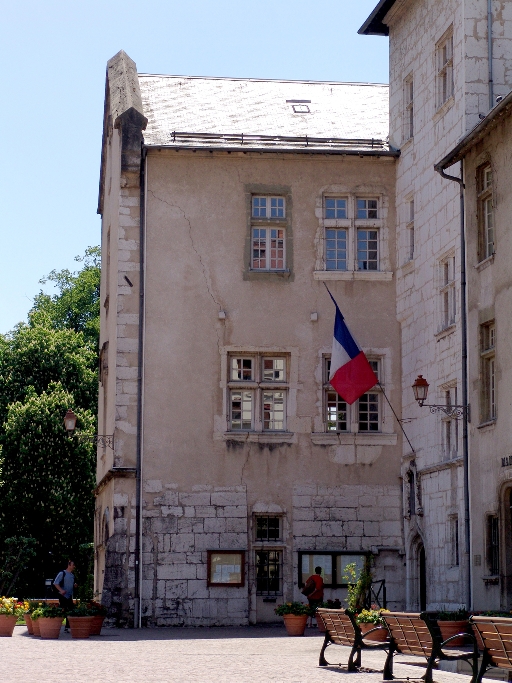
x=381 y=387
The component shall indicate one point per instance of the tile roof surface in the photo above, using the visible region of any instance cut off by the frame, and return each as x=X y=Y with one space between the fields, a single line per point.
x=341 y=115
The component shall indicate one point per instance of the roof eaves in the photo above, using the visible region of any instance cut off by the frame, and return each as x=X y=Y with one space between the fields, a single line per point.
x=503 y=108
x=374 y=25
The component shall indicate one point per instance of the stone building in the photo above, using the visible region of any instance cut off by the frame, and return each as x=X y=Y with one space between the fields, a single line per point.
x=226 y=206
x=448 y=61
x=485 y=156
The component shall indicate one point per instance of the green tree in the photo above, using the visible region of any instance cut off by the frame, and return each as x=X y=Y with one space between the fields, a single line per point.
x=76 y=305
x=48 y=478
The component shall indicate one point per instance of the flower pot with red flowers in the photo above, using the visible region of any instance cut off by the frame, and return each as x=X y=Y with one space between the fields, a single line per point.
x=98 y=612
x=80 y=621
x=295 y=615
x=10 y=610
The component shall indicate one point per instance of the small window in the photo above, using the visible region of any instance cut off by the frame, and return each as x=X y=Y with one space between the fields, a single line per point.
x=444 y=58
x=488 y=370
x=493 y=545
x=447 y=292
x=367 y=249
x=336 y=249
x=367 y=209
x=268 y=528
x=241 y=369
x=273 y=411
x=408 y=108
x=269 y=572
x=485 y=212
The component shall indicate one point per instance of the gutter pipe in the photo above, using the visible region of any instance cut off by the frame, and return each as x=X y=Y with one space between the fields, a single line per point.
x=137 y=611
x=466 y=415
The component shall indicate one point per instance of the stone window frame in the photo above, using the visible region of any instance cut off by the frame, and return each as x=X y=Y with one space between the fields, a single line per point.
x=353 y=412
x=488 y=400
x=409 y=226
x=449 y=425
x=351 y=224
x=408 y=115
x=267 y=515
x=268 y=190
x=445 y=85
x=485 y=194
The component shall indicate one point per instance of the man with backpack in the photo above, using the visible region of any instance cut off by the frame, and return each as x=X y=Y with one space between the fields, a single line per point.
x=64 y=584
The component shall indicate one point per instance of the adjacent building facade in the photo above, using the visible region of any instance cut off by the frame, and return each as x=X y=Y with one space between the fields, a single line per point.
x=227 y=205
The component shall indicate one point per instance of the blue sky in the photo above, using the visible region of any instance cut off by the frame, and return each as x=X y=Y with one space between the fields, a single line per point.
x=53 y=78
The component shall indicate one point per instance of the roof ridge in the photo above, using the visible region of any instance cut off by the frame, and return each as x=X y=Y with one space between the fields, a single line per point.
x=262 y=80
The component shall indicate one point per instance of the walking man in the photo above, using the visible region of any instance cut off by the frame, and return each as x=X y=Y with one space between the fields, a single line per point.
x=65 y=584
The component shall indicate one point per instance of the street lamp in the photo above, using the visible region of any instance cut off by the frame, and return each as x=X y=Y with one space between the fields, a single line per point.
x=103 y=440
x=420 y=389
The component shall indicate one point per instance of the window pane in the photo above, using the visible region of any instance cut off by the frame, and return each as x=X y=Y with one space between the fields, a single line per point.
x=367 y=249
x=335 y=249
x=367 y=208
x=268 y=572
x=273 y=410
x=241 y=409
x=277 y=249
x=310 y=561
x=259 y=207
x=277 y=207
x=335 y=208
x=369 y=413
x=241 y=369
x=336 y=413
x=268 y=528
x=274 y=370
x=259 y=248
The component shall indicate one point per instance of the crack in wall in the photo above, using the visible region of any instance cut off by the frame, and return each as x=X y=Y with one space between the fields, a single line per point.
x=196 y=251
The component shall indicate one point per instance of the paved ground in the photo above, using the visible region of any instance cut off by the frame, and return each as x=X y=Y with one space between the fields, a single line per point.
x=210 y=655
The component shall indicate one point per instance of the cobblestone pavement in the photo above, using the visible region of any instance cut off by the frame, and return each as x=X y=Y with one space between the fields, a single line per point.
x=209 y=655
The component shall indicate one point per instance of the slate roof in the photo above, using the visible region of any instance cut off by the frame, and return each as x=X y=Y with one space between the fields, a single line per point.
x=246 y=114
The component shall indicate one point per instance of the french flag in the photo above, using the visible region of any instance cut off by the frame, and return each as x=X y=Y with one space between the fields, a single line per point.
x=351 y=374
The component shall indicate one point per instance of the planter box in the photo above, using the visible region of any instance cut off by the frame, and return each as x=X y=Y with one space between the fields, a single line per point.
x=97 y=623
x=49 y=627
x=7 y=624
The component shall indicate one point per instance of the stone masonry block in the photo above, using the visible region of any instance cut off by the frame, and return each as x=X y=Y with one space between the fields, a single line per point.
x=353 y=528
x=172 y=510
x=190 y=525
x=304 y=514
x=205 y=511
x=371 y=528
x=302 y=501
x=308 y=528
x=207 y=541
x=343 y=514
x=197 y=589
x=346 y=501
x=227 y=498
x=331 y=529
x=175 y=589
x=120 y=499
x=168 y=498
x=368 y=514
x=237 y=525
x=176 y=571
x=305 y=490
x=321 y=513
x=182 y=543
x=200 y=498
x=390 y=529
x=165 y=525
x=233 y=540
x=232 y=511
x=215 y=524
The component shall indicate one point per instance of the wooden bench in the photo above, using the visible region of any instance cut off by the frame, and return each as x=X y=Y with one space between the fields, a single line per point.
x=418 y=634
x=341 y=629
x=494 y=635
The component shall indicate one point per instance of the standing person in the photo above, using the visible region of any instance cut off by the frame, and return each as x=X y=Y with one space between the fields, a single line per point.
x=314 y=590
x=65 y=584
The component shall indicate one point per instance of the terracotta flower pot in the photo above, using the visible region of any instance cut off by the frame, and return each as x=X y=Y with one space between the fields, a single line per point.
x=451 y=628
x=49 y=627
x=35 y=626
x=97 y=623
x=7 y=624
x=80 y=627
x=379 y=636
x=295 y=625
x=30 y=625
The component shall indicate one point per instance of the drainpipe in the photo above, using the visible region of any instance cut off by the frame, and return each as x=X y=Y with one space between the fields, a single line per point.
x=489 y=53
x=137 y=611
x=464 y=349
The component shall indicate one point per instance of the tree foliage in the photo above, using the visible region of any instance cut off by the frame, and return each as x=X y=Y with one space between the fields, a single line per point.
x=47 y=479
x=76 y=305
